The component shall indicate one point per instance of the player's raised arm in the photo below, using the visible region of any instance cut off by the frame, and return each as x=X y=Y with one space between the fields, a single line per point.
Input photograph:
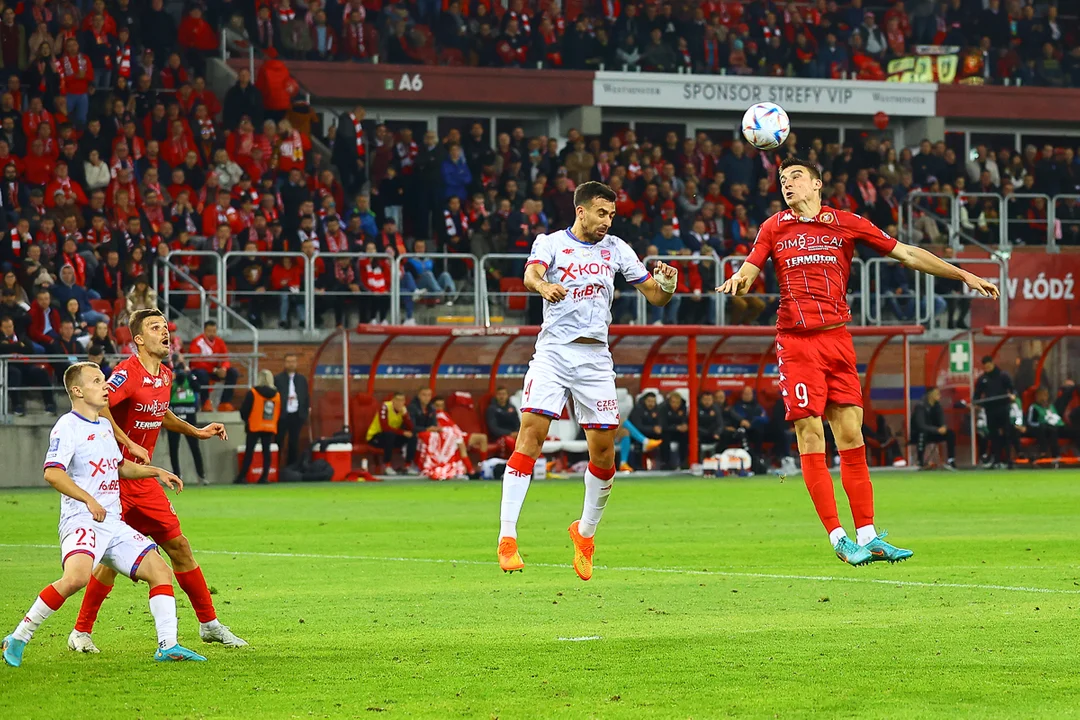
x=58 y=478
x=741 y=281
x=660 y=288
x=534 y=282
x=175 y=424
x=925 y=261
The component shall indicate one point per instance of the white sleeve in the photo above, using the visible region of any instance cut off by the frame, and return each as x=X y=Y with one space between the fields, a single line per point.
x=629 y=265
x=543 y=252
x=61 y=447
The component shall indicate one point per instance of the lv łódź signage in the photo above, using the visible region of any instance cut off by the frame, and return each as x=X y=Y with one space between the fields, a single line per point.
x=734 y=93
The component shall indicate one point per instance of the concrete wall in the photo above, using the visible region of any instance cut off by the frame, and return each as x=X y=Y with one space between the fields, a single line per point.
x=23 y=445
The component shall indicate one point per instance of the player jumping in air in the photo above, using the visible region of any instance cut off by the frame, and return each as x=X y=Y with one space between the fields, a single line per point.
x=139 y=393
x=811 y=249
x=574 y=271
x=85 y=465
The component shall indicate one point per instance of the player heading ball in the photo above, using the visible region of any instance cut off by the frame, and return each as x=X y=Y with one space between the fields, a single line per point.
x=574 y=271
x=811 y=249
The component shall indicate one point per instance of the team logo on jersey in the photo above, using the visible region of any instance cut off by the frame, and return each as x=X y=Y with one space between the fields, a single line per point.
x=118 y=378
x=605 y=255
x=827 y=217
x=568 y=251
x=148 y=381
x=91 y=438
x=54 y=445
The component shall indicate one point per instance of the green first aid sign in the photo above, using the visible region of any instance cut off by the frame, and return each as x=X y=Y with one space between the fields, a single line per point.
x=960 y=357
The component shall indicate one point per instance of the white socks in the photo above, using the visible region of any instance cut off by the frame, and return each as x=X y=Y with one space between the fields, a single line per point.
x=515 y=486
x=837 y=535
x=163 y=608
x=865 y=534
x=33 y=619
x=597 y=490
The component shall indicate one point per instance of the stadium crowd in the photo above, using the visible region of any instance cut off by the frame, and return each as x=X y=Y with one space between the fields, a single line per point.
x=1003 y=40
x=115 y=153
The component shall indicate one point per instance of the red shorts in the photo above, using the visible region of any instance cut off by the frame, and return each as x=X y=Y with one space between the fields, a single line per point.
x=816 y=368
x=148 y=510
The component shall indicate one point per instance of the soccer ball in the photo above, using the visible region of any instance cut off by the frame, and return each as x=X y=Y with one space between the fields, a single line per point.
x=766 y=126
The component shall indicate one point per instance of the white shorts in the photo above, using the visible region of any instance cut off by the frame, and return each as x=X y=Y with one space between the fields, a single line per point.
x=584 y=372
x=111 y=543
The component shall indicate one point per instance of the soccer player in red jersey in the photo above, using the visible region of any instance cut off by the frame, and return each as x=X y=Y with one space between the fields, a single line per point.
x=811 y=250
x=139 y=393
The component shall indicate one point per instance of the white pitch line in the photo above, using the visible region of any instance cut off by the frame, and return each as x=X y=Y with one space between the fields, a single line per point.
x=658 y=570
x=587 y=638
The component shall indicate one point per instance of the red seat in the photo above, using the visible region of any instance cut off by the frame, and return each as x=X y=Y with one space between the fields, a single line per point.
x=451 y=57
x=123 y=336
x=102 y=306
x=514 y=285
x=210 y=282
x=119 y=306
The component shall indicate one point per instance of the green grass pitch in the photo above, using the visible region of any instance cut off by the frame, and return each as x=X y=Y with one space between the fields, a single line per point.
x=711 y=599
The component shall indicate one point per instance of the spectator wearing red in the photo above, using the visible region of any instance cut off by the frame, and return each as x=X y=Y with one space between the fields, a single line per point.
x=287 y=278
x=39 y=165
x=375 y=277
x=209 y=343
x=291 y=148
x=44 y=321
x=221 y=213
x=175 y=149
x=35 y=115
x=277 y=87
x=78 y=76
x=173 y=75
x=355 y=45
x=63 y=184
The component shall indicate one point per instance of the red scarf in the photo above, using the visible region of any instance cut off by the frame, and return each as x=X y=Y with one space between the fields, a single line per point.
x=358 y=127
x=123 y=61
x=17 y=241
x=69 y=70
x=77 y=264
x=284 y=15
x=451 y=227
x=206 y=130
x=337 y=243
x=356 y=33
x=407 y=157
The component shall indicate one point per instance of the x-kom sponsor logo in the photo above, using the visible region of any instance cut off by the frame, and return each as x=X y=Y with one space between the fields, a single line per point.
x=573 y=271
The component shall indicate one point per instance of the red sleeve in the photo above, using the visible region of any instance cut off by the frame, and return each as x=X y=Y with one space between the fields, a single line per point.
x=120 y=386
x=209 y=219
x=763 y=245
x=870 y=234
x=221 y=348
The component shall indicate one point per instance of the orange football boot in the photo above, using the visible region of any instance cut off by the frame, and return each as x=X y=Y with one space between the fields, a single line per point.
x=509 y=557
x=583 y=552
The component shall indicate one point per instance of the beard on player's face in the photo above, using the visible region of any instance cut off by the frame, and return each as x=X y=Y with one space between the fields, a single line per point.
x=596 y=222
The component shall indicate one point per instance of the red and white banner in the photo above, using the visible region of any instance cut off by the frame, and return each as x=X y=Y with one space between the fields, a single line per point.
x=1042 y=290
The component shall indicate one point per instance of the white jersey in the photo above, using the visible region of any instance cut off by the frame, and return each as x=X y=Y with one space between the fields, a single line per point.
x=587 y=272
x=88 y=453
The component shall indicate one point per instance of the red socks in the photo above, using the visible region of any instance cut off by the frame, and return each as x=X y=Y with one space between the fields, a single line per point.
x=819 y=483
x=468 y=464
x=602 y=473
x=855 y=474
x=521 y=464
x=166 y=590
x=52 y=598
x=193 y=584
x=96 y=592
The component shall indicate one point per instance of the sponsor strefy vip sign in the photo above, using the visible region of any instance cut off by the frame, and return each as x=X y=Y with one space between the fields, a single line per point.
x=731 y=92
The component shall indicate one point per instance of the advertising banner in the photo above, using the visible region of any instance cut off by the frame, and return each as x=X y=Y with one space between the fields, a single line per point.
x=1042 y=290
x=736 y=93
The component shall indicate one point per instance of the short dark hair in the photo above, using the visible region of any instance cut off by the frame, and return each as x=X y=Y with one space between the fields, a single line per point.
x=799 y=162
x=588 y=191
x=208 y=323
x=96 y=349
x=139 y=317
x=988 y=359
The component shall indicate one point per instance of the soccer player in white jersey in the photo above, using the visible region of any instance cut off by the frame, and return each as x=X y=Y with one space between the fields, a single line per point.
x=574 y=271
x=85 y=465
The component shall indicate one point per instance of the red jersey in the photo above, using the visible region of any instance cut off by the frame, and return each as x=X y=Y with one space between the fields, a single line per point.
x=812 y=258
x=138 y=402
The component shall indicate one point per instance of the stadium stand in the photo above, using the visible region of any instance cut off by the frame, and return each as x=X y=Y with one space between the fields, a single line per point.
x=121 y=162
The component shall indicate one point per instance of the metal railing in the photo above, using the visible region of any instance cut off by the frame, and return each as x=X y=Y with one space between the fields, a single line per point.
x=172 y=267
x=947 y=222
x=479 y=287
x=284 y=297
x=707 y=290
x=995 y=228
x=502 y=297
x=922 y=313
x=1064 y=232
x=858 y=269
x=1029 y=233
x=1002 y=281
